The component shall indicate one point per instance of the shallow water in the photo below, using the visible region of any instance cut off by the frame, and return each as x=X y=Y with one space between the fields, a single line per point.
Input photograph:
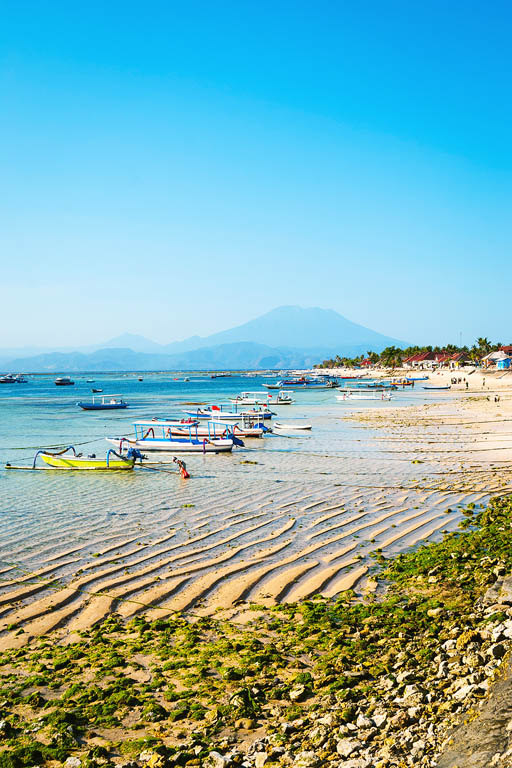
x=311 y=502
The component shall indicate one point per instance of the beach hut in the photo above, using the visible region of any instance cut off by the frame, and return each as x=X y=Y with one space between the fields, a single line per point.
x=504 y=363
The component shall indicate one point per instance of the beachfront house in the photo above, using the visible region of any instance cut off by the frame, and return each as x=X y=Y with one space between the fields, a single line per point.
x=421 y=360
x=493 y=358
x=434 y=360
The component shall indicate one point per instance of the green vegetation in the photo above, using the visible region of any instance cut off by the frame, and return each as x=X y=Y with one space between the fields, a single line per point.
x=182 y=686
x=392 y=357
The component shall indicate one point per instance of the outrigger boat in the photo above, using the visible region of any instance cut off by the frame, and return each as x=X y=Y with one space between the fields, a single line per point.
x=304 y=383
x=229 y=412
x=299 y=425
x=262 y=398
x=364 y=396
x=437 y=388
x=246 y=427
x=70 y=459
x=155 y=435
x=103 y=403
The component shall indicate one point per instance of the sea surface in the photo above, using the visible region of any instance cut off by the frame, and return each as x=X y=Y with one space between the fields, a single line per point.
x=293 y=498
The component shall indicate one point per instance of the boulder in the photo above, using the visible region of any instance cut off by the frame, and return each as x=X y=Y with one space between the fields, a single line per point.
x=347 y=747
x=306 y=760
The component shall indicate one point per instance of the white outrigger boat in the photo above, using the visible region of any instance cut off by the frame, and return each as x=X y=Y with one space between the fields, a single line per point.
x=298 y=425
x=246 y=427
x=155 y=435
x=229 y=412
x=364 y=396
x=262 y=398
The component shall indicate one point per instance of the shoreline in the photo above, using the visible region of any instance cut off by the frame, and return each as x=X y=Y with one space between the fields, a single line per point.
x=283 y=545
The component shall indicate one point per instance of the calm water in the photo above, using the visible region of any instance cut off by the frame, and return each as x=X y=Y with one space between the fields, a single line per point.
x=47 y=514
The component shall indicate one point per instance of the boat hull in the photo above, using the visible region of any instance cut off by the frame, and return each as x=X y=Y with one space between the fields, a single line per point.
x=175 y=445
x=86 y=463
x=106 y=407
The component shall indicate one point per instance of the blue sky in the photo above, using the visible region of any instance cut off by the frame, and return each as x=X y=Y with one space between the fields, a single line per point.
x=178 y=168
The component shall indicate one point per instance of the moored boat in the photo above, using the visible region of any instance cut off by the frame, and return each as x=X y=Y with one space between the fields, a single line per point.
x=230 y=412
x=262 y=398
x=429 y=386
x=155 y=435
x=292 y=426
x=68 y=458
x=353 y=395
x=64 y=381
x=103 y=403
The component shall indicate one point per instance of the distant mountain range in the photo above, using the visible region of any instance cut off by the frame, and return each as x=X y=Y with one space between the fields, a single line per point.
x=286 y=337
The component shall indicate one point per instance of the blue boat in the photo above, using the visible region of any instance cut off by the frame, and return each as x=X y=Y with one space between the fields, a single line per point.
x=103 y=403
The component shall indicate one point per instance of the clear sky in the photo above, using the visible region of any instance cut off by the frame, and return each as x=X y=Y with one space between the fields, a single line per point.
x=177 y=168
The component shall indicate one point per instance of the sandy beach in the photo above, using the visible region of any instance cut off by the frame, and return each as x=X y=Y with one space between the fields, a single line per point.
x=290 y=541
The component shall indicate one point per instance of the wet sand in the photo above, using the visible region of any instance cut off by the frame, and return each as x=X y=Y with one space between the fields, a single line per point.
x=272 y=540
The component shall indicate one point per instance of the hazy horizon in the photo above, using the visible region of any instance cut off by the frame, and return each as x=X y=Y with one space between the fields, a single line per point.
x=180 y=170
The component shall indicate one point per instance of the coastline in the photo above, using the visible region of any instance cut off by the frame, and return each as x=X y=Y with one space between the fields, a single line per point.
x=284 y=543
x=221 y=605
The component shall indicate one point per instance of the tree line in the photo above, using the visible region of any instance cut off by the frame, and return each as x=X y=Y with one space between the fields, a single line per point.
x=392 y=357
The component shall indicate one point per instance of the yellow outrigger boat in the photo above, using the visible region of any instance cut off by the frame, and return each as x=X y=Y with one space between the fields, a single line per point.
x=86 y=462
x=113 y=461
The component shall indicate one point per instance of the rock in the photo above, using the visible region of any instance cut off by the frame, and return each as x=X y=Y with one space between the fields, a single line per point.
x=379 y=720
x=347 y=747
x=246 y=723
x=434 y=612
x=260 y=758
x=306 y=760
x=497 y=651
x=297 y=693
x=318 y=735
x=463 y=692
x=505 y=593
x=73 y=762
x=363 y=722
x=216 y=760
x=327 y=720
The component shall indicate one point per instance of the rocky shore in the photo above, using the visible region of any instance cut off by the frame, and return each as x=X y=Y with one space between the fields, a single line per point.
x=351 y=684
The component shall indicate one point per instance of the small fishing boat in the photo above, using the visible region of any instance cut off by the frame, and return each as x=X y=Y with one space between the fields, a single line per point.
x=230 y=412
x=262 y=398
x=90 y=381
x=430 y=386
x=7 y=379
x=302 y=383
x=155 y=435
x=246 y=427
x=70 y=459
x=364 y=396
x=64 y=381
x=292 y=426
x=417 y=378
x=96 y=390
x=103 y=403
